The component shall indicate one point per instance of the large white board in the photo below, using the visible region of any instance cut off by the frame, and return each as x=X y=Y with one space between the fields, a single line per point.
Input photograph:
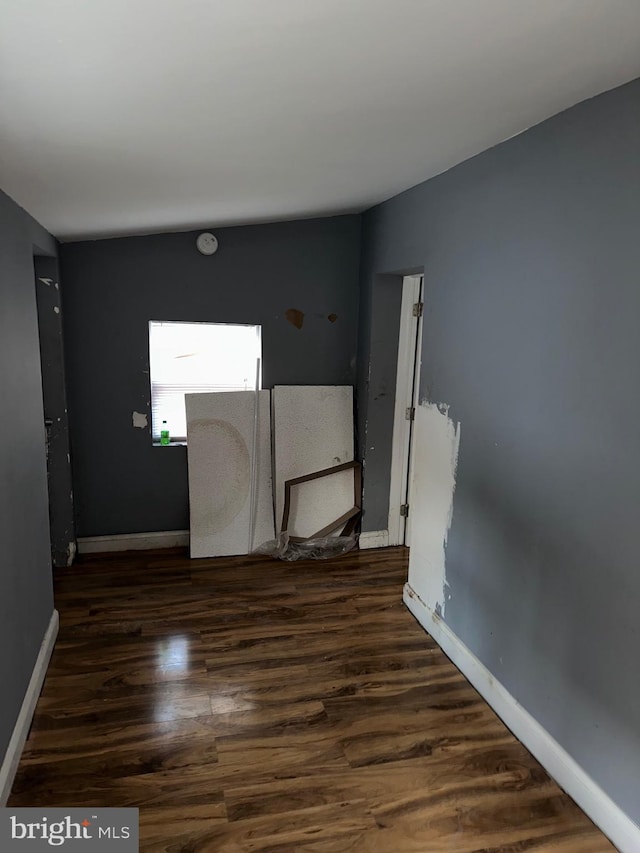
x=222 y=467
x=313 y=429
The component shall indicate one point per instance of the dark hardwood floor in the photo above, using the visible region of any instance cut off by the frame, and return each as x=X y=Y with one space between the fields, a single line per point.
x=250 y=705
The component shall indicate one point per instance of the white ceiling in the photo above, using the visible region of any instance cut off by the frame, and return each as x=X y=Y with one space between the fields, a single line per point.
x=129 y=116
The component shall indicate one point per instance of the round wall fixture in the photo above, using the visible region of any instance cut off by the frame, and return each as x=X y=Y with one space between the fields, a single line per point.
x=207 y=244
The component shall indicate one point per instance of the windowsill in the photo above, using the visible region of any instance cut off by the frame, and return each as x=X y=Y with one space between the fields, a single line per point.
x=172 y=444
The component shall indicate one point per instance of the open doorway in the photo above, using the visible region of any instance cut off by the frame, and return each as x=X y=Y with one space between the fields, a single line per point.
x=56 y=420
x=407 y=385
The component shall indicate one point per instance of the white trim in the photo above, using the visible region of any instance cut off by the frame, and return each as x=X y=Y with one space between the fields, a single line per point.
x=133 y=541
x=23 y=723
x=411 y=285
x=374 y=539
x=622 y=831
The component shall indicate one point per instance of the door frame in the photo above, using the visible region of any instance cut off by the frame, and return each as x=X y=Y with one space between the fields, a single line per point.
x=416 y=402
x=48 y=301
x=407 y=382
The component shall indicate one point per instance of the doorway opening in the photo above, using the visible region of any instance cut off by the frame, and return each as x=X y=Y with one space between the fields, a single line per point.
x=407 y=388
x=54 y=403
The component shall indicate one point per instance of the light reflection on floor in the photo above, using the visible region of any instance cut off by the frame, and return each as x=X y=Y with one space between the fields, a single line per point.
x=173 y=654
x=175 y=699
x=172 y=658
x=230 y=703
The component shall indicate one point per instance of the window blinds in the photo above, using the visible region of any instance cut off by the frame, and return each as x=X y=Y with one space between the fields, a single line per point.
x=194 y=358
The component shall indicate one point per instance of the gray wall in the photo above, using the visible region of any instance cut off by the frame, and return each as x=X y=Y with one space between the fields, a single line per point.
x=112 y=288
x=531 y=254
x=26 y=597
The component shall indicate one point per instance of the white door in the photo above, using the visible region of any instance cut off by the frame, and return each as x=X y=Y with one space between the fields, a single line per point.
x=407 y=384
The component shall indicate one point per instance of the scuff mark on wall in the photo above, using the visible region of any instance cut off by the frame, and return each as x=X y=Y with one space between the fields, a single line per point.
x=435 y=460
x=139 y=420
x=295 y=317
x=56 y=309
x=71 y=553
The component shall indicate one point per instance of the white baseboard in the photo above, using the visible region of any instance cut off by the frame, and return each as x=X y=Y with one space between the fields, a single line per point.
x=23 y=723
x=133 y=541
x=622 y=831
x=374 y=539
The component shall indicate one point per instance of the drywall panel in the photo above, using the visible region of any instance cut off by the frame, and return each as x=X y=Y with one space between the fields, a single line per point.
x=226 y=477
x=313 y=429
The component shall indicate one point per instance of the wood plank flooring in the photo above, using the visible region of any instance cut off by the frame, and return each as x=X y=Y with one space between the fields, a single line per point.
x=250 y=705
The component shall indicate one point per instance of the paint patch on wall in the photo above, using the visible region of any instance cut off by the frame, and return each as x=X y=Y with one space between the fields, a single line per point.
x=295 y=317
x=435 y=460
x=140 y=420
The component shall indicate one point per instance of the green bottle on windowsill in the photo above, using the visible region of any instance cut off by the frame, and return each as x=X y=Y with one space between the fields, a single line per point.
x=165 y=438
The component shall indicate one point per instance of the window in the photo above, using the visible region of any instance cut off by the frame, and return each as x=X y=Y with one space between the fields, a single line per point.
x=192 y=358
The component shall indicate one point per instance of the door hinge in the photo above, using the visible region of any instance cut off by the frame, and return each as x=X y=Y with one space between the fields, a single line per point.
x=404 y=510
x=418 y=308
x=410 y=414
